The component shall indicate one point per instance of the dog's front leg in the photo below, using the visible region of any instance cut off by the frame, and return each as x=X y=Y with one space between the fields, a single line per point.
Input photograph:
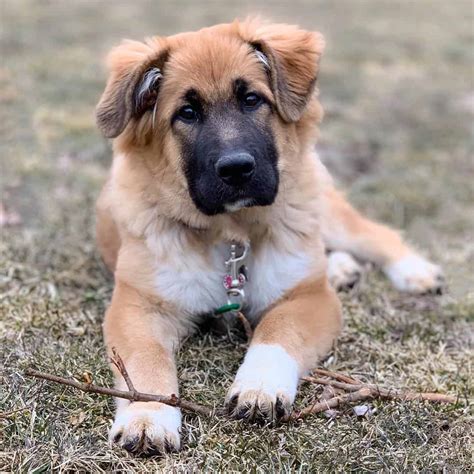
x=289 y=340
x=145 y=337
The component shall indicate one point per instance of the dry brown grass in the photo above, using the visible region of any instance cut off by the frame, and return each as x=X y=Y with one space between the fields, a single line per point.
x=397 y=86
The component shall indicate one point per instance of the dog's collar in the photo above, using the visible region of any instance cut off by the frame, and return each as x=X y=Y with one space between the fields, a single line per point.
x=235 y=278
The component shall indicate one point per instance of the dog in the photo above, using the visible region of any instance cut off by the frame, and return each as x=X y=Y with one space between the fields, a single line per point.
x=217 y=199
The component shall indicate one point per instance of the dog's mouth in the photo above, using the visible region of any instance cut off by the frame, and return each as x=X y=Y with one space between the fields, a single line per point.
x=239 y=204
x=211 y=198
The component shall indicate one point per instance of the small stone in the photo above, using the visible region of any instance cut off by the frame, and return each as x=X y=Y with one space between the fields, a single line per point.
x=362 y=410
x=331 y=413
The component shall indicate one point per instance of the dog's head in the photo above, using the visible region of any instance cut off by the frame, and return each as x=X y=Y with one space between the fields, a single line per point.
x=221 y=108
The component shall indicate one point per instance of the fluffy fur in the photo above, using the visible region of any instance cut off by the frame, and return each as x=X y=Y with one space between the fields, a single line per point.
x=167 y=254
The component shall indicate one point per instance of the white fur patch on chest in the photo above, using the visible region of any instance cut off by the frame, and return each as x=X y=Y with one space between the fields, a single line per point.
x=194 y=282
x=271 y=274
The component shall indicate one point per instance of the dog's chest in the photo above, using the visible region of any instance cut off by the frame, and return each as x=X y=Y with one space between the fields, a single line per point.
x=194 y=282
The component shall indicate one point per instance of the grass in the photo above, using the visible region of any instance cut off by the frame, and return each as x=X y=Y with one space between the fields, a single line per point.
x=397 y=86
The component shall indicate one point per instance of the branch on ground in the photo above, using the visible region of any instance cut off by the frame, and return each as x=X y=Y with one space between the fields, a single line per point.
x=359 y=391
x=118 y=363
x=356 y=391
x=246 y=325
x=133 y=396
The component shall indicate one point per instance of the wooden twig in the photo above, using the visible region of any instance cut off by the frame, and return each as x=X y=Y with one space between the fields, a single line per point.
x=361 y=394
x=172 y=400
x=246 y=324
x=355 y=390
x=359 y=391
x=348 y=387
x=380 y=392
x=118 y=362
x=402 y=395
x=336 y=376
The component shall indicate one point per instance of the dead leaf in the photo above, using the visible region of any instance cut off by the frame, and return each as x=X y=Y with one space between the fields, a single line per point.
x=77 y=419
x=87 y=377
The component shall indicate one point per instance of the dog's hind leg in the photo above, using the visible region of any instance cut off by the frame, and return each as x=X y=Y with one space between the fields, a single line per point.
x=343 y=270
x=345 y=229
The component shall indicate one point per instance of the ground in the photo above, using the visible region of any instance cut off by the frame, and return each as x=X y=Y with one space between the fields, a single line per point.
x=397 y=87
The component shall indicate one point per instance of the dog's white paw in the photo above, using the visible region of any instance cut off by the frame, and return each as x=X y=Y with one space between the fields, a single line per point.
x=147 y=428
x=414 y=274
x=343 y=270
x=265 y=384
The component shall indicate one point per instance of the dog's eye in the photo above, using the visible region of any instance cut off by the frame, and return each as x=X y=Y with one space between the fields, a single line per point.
x=251 y=101
x=188 y=113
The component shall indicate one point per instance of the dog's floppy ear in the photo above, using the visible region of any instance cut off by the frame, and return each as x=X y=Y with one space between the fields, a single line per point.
x=132 y=87
x=292 y=56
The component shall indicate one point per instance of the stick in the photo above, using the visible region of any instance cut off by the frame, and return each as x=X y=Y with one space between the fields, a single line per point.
x=389 y=393
x=245 y=323
x=118 y=362
x=348 y=387
x=357 y=391
x=172 y=400
x=360 y=391
x=362 y=394
x=394 y=394
x=336 y=376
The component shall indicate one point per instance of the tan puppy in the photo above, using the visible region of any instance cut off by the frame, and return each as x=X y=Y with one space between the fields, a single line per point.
x=214 y=146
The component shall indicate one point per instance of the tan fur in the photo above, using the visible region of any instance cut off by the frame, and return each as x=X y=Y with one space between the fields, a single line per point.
x=294 y=324
x=346 y=229
x=146 y=221
x=107 y=235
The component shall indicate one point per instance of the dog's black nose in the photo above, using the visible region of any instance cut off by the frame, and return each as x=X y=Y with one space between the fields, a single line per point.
x=235 y=169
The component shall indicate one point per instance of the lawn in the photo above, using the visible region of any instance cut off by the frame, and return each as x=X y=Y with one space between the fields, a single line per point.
x=398 y=89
